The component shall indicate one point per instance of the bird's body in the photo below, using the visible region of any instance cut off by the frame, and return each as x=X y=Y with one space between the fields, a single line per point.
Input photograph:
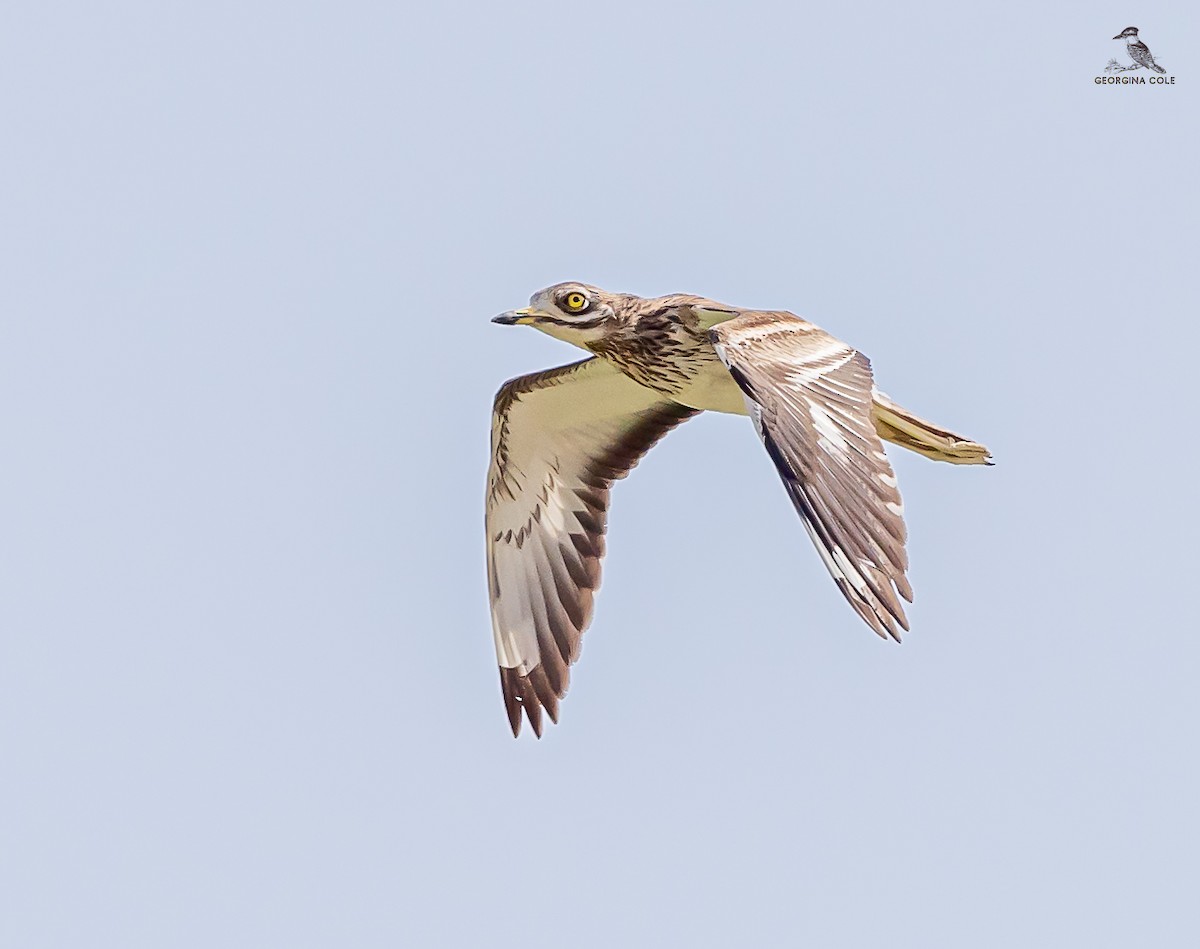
x=664 y=345
x=1138 y=51
x=561 y=437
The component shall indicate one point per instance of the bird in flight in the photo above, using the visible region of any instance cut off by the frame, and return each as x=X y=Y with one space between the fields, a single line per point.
x=561 y=437
x=1138 y=51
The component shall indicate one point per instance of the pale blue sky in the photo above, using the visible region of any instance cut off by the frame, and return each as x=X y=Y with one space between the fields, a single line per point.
x=248 y=693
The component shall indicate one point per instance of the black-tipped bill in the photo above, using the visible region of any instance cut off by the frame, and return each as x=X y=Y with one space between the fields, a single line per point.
x=514 y=317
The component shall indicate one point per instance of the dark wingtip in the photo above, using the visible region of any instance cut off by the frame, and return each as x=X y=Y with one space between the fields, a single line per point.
x=508 y=688
x=530 y=694
x=533 y=710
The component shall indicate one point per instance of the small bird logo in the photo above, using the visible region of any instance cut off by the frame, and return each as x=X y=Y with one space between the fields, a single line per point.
x=1138 y=51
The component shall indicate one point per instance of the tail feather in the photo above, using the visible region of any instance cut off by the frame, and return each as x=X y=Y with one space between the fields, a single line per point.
x=1156 y=67
x=896 y=424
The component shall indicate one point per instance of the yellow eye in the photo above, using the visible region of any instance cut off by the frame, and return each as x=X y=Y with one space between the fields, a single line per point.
x=575 y=302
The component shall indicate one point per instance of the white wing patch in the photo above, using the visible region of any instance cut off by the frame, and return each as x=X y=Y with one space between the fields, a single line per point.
x=831 y=434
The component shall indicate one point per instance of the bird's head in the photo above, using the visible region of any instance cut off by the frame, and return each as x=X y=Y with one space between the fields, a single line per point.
x=1127 y=32
x=573 y=312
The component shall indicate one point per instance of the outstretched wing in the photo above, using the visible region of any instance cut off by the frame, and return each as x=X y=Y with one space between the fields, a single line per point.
x=810 y=398
x=559 y=440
